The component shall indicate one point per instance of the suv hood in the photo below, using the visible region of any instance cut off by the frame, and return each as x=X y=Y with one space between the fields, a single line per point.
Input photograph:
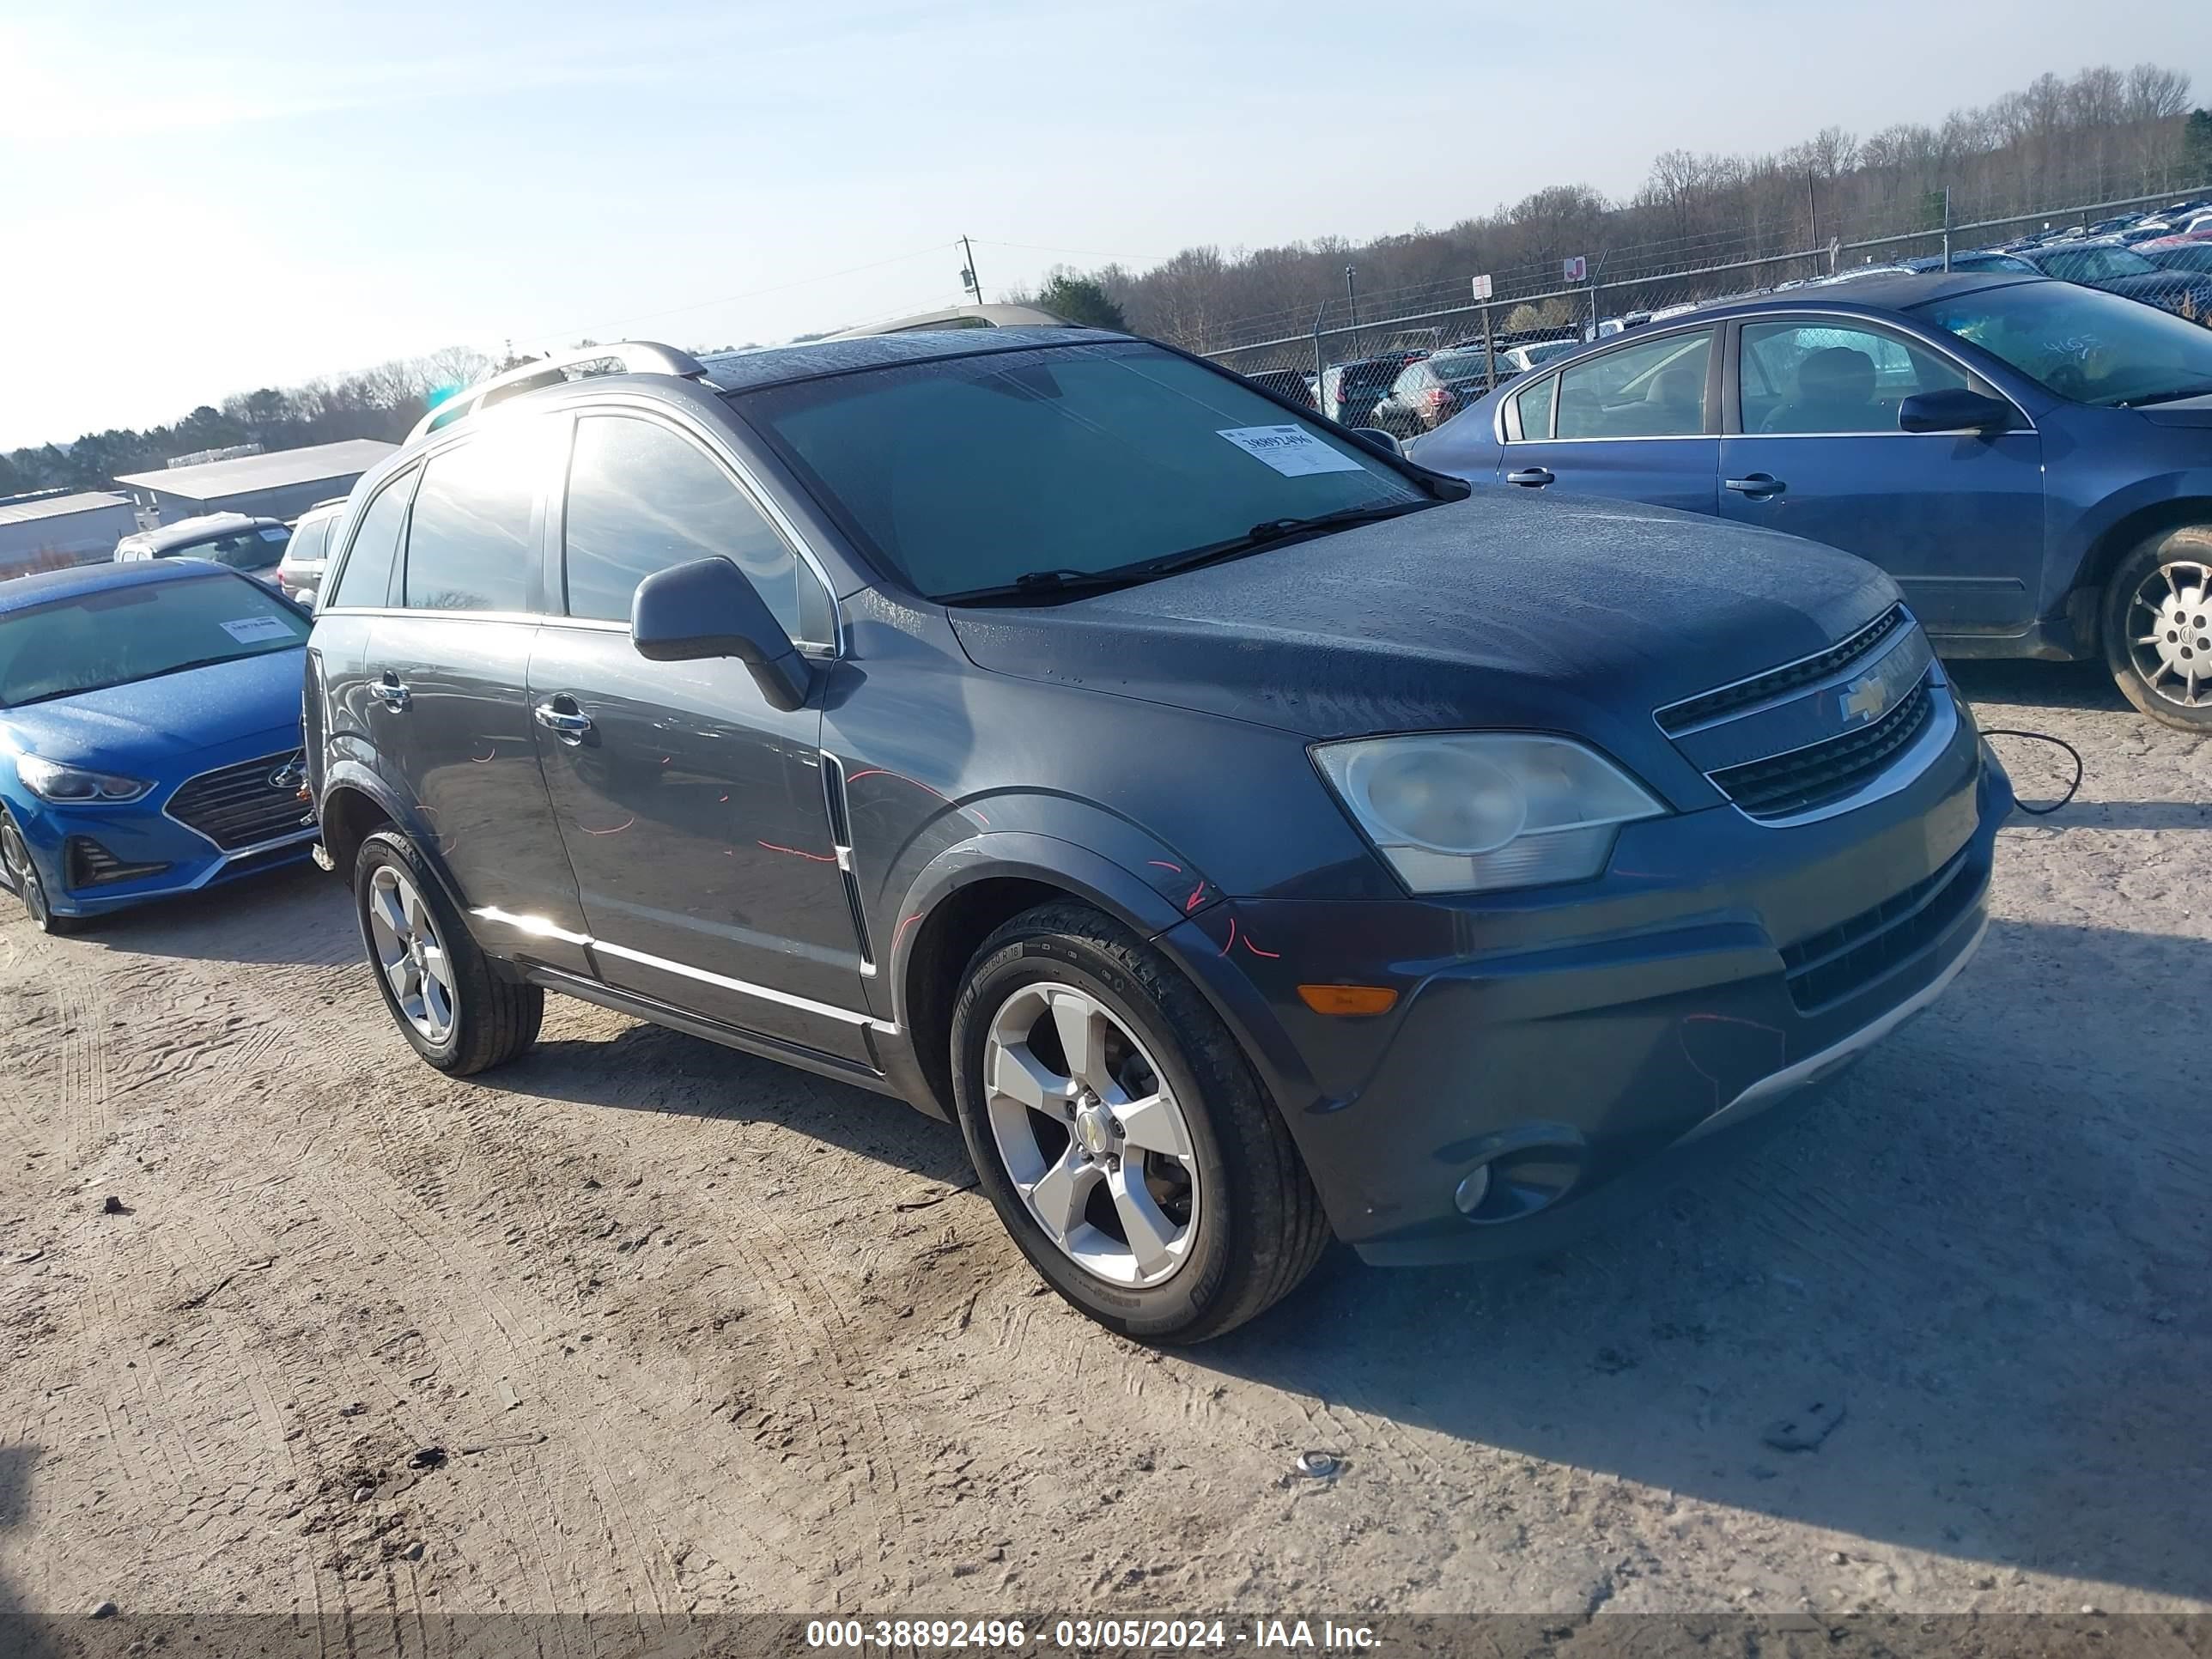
x=1568 y=616
x=142 y=728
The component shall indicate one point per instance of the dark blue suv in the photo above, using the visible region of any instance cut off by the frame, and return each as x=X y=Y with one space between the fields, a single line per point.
x=2031 y=459
x=1241 y=833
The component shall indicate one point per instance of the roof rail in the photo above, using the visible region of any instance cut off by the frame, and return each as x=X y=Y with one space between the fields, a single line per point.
x=635 y=356
x=959 y=317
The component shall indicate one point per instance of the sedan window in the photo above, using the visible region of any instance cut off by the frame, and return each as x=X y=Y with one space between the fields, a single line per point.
x=1533 y=410
x=2081 y=342
x=2096 y=265
x=1653 y=389
x=1824 y=377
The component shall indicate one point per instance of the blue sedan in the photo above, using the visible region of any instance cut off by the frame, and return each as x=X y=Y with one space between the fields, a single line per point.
x=149 y=734
x=2031 y=459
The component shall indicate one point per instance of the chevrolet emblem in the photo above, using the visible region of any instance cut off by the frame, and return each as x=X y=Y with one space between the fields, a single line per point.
x=1868 y=701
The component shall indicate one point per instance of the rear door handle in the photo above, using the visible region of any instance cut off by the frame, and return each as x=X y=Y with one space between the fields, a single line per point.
x=393 y=689
x=568 y=723
x=1758 y=486
x=1530 y=478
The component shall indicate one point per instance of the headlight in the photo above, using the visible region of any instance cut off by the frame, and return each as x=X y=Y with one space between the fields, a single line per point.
x=73 y=785
x=1480 y=812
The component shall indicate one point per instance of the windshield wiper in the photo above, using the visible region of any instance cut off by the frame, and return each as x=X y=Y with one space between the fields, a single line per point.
x=2204 y=391
x=1063 y=582
x=1269 y=531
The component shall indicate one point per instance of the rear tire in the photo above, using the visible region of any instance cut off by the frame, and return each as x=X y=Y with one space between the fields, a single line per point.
x=1235 y=1221
x=2157 y=627
x=438 y=985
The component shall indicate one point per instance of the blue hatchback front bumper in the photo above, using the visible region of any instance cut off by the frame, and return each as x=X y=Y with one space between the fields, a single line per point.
x=239 y=812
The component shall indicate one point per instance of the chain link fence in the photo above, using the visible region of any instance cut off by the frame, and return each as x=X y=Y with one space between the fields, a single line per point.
x=1350 y=349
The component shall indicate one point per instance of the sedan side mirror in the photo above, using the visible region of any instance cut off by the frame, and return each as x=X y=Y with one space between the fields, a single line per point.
x=1953 y=408
x=1380 y=439
x=708 y=609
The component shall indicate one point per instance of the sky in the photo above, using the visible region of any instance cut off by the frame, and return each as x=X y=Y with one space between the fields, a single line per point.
x=200 y=199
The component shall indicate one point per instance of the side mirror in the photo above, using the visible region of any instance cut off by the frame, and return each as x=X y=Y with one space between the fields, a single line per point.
x=1953 y=408
x=1380 y=439
x=707 y=608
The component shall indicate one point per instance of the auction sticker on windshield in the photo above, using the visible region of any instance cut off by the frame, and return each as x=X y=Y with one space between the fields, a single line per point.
x=247 y=631
x=1290 y=450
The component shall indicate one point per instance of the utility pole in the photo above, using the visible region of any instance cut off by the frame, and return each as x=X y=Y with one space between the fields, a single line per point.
x=969 y=280
x=1351 y=298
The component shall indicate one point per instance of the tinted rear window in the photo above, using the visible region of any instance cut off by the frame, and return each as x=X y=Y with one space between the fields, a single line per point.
x=469 y=543
x=366 y=578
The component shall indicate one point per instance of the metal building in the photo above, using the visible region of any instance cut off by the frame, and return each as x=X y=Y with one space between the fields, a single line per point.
x=279 y=486
x=47 y=532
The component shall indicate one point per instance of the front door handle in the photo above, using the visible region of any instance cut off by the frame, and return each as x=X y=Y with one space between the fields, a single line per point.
x=1758 y=486
x=1530 y=478
x=392 y=690
x=561 y=716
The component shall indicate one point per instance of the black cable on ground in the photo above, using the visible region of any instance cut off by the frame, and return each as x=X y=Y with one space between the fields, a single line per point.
x=2042 y=737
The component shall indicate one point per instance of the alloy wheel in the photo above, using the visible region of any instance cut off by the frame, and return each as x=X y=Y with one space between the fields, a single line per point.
x=1095 y=1141
x=411 y=953
x=2169 y=631
x=23 y=873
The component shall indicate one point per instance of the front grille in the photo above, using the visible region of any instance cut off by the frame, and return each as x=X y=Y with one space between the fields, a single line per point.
x=1846 y=959
x=236 y=807
x=1712 y=705
x=1804 y=780
x=86 y=863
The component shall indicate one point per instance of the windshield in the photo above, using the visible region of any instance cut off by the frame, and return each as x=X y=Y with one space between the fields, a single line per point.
x=2198 y=258
x=2079 y=342
x=241 y=550
x=138 y=632
x=2090 y=264
x=967 y=472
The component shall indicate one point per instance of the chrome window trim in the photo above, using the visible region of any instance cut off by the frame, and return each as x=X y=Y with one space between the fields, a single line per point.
x=540 y=927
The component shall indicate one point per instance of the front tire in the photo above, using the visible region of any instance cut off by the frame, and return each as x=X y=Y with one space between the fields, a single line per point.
x=454 y=1011
x=2157 y=627
x=1117 y=1128
x=23 y=873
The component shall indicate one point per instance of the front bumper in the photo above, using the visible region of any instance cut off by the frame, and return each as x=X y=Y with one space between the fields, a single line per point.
x=1554 y=1055
x=142 y=834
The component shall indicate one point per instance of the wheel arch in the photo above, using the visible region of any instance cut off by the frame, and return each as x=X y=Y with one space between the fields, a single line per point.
x=2118 y=539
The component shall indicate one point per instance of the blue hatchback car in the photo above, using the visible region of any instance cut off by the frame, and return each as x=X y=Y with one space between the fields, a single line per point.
x=2031 y=459
x=149 y=734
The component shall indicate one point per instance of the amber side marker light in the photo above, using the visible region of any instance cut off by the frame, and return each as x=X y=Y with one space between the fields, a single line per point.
x=1347 y=998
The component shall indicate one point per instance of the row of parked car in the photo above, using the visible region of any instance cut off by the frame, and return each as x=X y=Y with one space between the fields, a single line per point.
x=287 y=557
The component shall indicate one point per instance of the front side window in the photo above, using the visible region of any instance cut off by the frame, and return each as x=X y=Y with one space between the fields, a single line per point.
x=1807 y=377
x=964 y=474
x=1533 y=408
x=2081 y=342
x=643 y=497
x=366 y=578
x=139 y=631
x=1654 y=389
x=469 y=543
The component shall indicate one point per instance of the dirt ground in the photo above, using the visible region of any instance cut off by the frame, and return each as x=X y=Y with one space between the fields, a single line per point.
x=700 y=1334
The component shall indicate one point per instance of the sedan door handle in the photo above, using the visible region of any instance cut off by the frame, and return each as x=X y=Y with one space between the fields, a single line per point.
x=393 y=689
x=1758 y=486
x=568 y=724
x=1530 y=478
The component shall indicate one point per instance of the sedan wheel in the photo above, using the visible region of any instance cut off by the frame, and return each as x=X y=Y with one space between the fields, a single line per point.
x=1094 y=1141
x=2158 y=627
x=2173 y=606
x=23 y=876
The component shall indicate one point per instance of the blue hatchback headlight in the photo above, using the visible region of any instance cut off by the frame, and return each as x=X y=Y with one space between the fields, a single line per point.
x=74 y=785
